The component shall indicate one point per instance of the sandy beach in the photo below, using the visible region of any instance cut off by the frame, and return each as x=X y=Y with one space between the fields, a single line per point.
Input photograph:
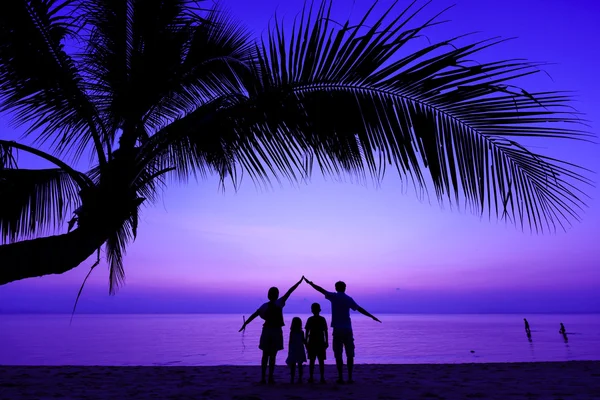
x=561 y=380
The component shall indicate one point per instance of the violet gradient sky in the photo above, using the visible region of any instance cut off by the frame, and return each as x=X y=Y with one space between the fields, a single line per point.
x=204 y=251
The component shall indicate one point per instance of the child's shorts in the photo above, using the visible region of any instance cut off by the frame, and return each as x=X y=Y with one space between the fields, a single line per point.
x=316 y=351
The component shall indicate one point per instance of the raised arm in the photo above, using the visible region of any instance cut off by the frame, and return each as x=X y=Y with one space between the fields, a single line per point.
x=286 y=296
x=249 y=320
x=316 y=287
x=365 y=312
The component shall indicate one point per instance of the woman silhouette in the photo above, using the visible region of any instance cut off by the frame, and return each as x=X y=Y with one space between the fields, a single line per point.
x=271 y=338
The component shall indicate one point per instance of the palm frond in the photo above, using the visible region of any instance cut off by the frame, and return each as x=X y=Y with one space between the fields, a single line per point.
x=217 y=50
x=106 y=60
x=116 y=247
x=120 y=219
x=39 y=81
x=346 y=99
x=199 y=143
x=346 y=96
x=149 y=62
x=8 y=159
x=34 y=202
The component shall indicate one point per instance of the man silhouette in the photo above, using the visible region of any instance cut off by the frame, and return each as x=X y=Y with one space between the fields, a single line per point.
x=343 y=337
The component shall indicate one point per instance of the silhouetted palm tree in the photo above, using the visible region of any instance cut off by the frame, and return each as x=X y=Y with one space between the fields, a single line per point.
x=150 y=88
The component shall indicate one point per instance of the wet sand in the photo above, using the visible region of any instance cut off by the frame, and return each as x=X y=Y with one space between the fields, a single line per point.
x=559 y=380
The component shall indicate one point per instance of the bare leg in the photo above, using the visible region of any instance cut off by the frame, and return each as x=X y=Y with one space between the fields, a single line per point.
x=311 y=370
x=300 y=368
x=350 y=367
x=339 y=362
x=272 y=366
x=263 y=367
x=292 y=372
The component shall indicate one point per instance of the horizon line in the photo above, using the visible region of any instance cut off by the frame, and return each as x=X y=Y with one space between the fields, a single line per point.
x=325 y=313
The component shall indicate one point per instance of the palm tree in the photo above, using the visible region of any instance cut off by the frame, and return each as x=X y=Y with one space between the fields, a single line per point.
x=154 y=88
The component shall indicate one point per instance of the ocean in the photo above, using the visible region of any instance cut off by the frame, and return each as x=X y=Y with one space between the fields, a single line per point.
x=213 y=339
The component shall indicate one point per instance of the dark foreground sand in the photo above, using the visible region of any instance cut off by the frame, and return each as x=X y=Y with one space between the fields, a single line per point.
x=565 y=380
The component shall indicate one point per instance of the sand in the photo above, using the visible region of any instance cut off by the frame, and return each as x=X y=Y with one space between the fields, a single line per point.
x=561 y=380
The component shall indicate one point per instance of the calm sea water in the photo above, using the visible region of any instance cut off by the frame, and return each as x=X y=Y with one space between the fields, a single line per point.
x=200 y=339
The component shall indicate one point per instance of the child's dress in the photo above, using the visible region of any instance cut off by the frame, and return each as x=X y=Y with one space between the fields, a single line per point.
x=296 y=353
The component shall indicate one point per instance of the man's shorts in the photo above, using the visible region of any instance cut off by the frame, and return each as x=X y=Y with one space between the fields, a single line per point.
x=343 y=338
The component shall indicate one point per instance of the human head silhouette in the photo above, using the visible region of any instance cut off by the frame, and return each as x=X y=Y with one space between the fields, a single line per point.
x=340 y=287
x=273 y=294
x=315 y=308
x=296 y=324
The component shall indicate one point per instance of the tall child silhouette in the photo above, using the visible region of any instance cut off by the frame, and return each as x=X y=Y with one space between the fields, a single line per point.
x=317 y=341
x=271 y=338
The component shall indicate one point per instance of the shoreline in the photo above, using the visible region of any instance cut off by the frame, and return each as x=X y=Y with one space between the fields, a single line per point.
x=535 y=380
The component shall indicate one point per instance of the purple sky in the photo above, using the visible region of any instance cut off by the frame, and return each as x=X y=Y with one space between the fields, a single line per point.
x=201 y=250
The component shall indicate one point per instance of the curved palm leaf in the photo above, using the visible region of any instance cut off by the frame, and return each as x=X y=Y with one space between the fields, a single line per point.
x=343 y=96
x=8 y=159
x=34 y=202
x=123 y=214
x=115 y=249
x=198 y=143
x=39 y=81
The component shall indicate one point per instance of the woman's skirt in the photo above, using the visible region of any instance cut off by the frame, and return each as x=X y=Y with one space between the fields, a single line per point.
x=271 y=340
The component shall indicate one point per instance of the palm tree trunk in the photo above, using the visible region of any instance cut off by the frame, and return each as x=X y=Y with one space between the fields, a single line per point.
x=47 y=255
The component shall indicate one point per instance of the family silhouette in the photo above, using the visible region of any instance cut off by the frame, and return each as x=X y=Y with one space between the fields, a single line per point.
x=315 y=340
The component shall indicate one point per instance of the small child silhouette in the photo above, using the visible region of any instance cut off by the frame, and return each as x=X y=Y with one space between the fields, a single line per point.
x=296 y=353
x=317 y=341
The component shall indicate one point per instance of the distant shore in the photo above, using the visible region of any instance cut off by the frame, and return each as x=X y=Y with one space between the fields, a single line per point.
x=551 y=380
